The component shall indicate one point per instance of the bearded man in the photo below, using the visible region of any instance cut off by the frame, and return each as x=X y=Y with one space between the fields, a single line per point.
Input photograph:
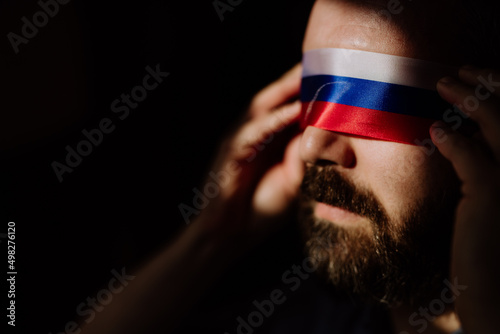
x=385 y=214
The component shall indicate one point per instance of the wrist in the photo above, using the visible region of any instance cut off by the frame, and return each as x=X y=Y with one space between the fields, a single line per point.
x=214 y=242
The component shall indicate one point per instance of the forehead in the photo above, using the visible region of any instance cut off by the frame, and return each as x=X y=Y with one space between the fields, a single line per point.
x=370 y=26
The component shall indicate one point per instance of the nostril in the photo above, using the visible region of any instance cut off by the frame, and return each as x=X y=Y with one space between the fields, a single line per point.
x=324 y=163
x=346 y=161
x=322 y=147
x=345 y=156
x=352 y=162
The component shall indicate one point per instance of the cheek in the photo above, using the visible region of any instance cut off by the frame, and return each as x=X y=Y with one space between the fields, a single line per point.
x=400 y=175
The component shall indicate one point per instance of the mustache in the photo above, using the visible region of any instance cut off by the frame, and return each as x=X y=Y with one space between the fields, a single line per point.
x=327 y=185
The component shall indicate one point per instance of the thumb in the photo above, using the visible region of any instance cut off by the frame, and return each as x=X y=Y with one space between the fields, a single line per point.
x=281 y=184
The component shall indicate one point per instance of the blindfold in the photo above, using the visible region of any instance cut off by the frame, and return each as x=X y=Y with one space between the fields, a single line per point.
x=371 y=95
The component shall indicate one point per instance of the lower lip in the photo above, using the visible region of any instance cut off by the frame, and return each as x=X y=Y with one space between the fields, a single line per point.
x=336 y=215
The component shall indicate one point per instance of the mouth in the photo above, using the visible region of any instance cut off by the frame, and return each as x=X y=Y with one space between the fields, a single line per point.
x=337 y=215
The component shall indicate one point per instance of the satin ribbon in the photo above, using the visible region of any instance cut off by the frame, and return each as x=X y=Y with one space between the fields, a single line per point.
x=371 y=95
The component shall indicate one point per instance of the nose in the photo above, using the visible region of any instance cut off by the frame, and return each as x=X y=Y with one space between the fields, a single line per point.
x=323 y=147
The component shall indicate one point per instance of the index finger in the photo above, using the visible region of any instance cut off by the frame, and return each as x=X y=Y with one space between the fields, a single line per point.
x=277 y=93
x=487 y=81
x=485 y=110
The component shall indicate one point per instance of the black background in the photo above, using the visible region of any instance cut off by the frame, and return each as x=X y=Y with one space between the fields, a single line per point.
x=120 y=204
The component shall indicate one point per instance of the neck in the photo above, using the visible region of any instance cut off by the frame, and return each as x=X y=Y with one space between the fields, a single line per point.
x=421 y=319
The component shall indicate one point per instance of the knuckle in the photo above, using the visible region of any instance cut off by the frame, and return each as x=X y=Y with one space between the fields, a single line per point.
x=257 y=101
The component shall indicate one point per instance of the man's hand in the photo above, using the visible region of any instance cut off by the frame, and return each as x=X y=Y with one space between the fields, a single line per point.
x=259 y=167
x=476 y=246
x=259 y=173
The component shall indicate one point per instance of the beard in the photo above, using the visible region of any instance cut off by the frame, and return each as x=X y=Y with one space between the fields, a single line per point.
x=392 y=262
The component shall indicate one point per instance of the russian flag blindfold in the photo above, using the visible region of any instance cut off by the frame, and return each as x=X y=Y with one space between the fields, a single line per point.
x=371 y=94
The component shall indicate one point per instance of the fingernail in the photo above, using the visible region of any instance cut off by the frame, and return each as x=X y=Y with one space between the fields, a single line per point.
x=289 y=112
x=294 y=107
x=447 y=80
x=438 y=132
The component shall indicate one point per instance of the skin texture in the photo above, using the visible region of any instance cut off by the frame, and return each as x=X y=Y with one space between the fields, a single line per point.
x=475 y=249
x=383 y=167
x=262 y=162
x=391 y=171
x=399 y=175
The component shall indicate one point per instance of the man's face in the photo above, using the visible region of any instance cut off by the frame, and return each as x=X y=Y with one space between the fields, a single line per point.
x=377 y=215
